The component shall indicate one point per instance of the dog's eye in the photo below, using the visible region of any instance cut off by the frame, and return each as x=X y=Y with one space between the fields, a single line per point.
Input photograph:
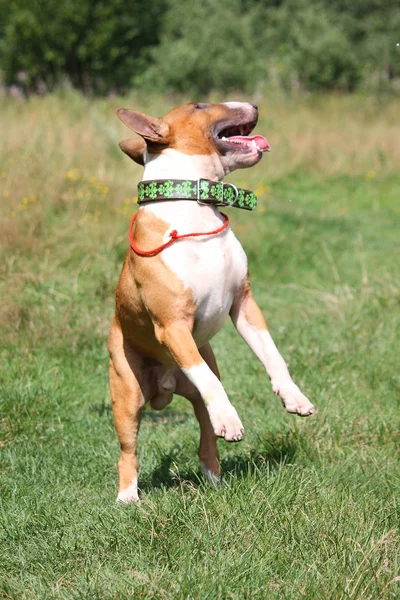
x=199 y=106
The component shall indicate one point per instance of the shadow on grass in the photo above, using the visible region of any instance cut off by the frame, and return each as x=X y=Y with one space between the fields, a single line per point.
x=280 y=450
x=149 y=416
x=172 y=473
x=101 y=408
x=171 y=416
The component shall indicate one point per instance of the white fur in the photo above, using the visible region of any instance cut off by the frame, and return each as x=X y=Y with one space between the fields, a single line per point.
x=208 y=384
x=213 y=479
x=282 y=383
x=235 y=104
x=214 y=269
x=171 y=164
x=263 y=346
x=130 y=494
x=223 y=415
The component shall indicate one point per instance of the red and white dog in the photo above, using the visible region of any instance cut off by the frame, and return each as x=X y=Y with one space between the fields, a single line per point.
x=169 y=305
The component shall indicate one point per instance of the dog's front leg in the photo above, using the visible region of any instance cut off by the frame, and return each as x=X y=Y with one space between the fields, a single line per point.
x=250 y=323
x=178 y=340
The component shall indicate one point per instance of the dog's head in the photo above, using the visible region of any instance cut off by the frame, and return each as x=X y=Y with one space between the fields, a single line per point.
x=221 y=130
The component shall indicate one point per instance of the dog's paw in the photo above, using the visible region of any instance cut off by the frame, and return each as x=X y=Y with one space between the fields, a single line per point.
x=293 y=399
x=226 y=422
x=129 y=494
x=214 y=479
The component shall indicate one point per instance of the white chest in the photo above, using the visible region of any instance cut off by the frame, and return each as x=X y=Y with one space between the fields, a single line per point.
x=214 y=269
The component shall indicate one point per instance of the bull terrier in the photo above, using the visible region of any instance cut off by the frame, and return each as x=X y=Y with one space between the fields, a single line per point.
x=184 y=273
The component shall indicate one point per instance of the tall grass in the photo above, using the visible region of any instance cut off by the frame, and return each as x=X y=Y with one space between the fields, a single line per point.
x=309 y=508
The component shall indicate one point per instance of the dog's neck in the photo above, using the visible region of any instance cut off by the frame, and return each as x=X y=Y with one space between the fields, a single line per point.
x=171 y=164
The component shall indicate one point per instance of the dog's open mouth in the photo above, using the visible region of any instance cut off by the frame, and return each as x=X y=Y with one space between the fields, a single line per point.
x=238 y=137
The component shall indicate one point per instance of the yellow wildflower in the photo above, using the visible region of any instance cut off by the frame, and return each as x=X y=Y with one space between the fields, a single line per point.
x=72 y=175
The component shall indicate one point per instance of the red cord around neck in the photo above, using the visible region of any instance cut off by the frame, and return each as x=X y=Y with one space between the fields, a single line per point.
x=173 y=235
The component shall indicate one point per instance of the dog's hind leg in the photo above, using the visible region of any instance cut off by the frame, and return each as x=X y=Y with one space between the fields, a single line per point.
x=127 y=403
x=208 y=451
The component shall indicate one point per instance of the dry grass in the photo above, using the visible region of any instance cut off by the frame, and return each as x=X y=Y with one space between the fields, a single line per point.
x=59 y=151
x=321 y=134
x=65 y=183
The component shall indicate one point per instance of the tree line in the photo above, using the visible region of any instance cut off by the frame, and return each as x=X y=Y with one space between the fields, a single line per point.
x=103 y=46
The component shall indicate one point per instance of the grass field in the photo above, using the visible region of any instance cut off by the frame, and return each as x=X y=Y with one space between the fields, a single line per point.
x=310 y=508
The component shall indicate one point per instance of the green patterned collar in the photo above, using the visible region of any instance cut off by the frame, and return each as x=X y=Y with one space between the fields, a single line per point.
x=203 y=191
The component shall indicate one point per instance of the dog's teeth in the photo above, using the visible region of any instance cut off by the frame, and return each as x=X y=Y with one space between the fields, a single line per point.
x=224 y=139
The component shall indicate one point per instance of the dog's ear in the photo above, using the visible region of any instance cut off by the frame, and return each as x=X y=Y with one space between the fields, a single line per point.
x=154 y=130
x=135 y=149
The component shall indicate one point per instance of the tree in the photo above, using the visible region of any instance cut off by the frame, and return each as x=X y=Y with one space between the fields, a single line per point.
x=96 y=44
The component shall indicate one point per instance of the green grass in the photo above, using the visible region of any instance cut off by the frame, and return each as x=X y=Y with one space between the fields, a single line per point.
x=309 y=508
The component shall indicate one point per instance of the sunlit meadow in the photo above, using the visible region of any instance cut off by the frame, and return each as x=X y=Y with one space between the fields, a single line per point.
x=309 y=508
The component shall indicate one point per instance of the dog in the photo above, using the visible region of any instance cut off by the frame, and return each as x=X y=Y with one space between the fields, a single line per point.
x=183 y=275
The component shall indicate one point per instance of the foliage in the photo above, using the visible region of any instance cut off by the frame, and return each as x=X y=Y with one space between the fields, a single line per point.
x=312 y=51
x=194 y=46
x=96 y=45
x=292 y=45
x=206 y=45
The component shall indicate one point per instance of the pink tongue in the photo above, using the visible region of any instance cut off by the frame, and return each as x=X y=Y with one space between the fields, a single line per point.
x=259 y=140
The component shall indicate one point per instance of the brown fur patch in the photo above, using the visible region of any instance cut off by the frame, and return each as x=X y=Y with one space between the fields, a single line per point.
x=190 y=129
x=251 y=310
x=135 y=149
x=149 y=295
